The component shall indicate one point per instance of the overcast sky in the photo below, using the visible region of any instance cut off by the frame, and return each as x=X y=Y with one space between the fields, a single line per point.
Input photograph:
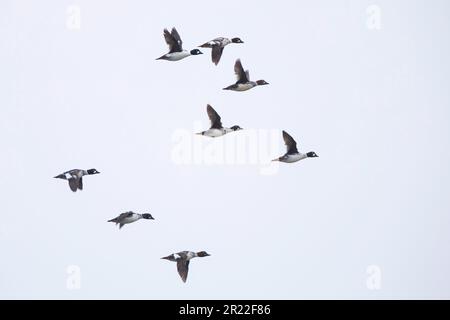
x=364 y=84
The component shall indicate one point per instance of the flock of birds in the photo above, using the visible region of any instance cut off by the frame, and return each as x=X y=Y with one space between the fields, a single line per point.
x=243 y=83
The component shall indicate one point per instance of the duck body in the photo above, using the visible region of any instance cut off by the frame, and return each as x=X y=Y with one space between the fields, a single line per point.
x=290 y=158
x=216 y=129
x=176 y=51
x=241 y=86
x=217 y=42
x=217 y=45
x=292 y=154
x=175 y=56
x=75 y=177
x=182 y=259
x=243 y=82
x=130 y=217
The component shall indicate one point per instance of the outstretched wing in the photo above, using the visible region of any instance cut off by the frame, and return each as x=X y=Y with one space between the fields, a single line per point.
x=173 y=40
x=73 y=184
x=291 y=145
x=216 y=53
x=80 y=183
x=183 y=269
x=242 y=76
x=214 y=117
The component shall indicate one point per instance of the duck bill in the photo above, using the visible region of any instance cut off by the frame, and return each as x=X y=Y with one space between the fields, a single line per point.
x=277 y=159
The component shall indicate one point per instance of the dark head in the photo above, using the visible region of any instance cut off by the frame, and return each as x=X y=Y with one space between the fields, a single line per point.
x=261 y=82
x=202 y=254
x=92 y=171
x=236 y=40
x=236 y=128
x=147 y=216
x=312 y=155
x=196 y=52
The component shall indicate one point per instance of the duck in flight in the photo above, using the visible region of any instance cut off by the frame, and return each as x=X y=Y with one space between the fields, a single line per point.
x=216 y=129
x=130 y=217
x=75 y=177
x=292 y=154
x=182 y=259
x=243 y=79
x=217 y=45
x=175 y=44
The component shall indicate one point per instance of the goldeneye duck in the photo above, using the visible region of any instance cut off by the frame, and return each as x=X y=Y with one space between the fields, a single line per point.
x=292 y=154
x=182 y=259
x=216 y=129
x=130 y=217
x=75 y=177
x=176 y=51
x=243 y=79
x=217 y=45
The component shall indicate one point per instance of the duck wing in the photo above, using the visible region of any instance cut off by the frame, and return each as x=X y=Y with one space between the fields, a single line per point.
x=183 y=268
x=73 y=184
x=173 y=40
x=242 y=76
x=291 y=145
x=216 y=53
x=214 y=117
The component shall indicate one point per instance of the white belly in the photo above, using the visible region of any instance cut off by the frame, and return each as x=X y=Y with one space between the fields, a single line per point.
x=244 y=86
x=175 y=56
x=294 y=157
x=213 y=133
x=130 y=219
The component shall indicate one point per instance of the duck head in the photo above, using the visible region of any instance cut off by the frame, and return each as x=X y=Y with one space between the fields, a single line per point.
x=196 y=52
x=92 y=171
x=202 y=254
x=261 y=82
x=147 y=216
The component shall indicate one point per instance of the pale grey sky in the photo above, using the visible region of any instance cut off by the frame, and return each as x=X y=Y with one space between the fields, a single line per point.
x=373 y=103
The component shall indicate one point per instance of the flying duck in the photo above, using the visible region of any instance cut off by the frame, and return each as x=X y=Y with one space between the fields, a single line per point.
x=75 y=177
x=217 y=45
x=292 y=154
x=130 y=217
x=216 y=129
x=176 y=51
x=182 y=259
x=243 y=82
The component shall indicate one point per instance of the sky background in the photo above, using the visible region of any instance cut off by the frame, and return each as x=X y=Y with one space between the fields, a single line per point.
x=374 y=104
